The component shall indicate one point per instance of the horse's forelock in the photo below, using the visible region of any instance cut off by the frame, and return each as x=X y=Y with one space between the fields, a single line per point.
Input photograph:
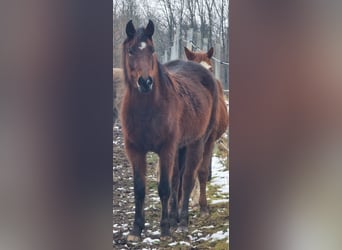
x=140 y=36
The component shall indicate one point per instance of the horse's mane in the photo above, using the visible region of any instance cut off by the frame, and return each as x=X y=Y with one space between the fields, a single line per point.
x=165 y=75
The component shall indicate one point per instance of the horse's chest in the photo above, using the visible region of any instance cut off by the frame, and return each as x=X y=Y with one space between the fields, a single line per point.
x=147 y=131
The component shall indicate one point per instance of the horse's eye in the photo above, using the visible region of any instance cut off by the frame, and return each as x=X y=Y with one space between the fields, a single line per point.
x=130 y=51
x=152 y=49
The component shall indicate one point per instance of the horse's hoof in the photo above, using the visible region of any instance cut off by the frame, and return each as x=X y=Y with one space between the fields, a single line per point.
x=173 y=229
x=166 y=238
x=204 y=214
x=133 y=238
x=194 y=207
x=182 y=229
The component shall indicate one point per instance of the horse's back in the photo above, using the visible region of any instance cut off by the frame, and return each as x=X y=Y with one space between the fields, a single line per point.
x=186 y=68
x=194 y=71
x=192 y=76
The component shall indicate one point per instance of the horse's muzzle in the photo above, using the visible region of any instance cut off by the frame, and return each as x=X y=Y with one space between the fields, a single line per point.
x=145 y=85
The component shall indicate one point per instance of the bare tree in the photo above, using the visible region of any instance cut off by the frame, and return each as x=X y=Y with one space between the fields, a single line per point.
x=191 y=8
x=221 y=9
x=181 y=12
x=202 y=14
x=210 y=4
x=169 y=15
x=207 y=18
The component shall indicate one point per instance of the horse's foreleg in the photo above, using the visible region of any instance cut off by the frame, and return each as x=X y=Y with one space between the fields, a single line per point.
x=203 y=175
x=138 y=162
x=193 y=160
x=167 y=161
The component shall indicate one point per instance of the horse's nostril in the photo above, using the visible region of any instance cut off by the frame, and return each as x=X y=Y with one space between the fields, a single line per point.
x=149 y=81
x=141 y=81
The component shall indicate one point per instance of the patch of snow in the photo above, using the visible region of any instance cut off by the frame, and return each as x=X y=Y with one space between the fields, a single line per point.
x=180 y=242
x=219 y=201
x=156 y=198
x=184 y=243
x=208 y=227
x=155 y=233
x=206 y=238
x=220 y=235
x=220 y=176
x=151 y=241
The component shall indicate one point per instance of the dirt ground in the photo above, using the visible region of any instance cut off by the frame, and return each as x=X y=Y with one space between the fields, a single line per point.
x=204 y=233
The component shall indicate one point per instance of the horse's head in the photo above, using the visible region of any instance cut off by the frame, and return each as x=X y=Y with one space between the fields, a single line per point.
x=201 y=57
x=140 y=61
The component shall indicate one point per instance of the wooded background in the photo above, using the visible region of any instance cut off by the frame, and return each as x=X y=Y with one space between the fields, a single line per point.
x=196 y=24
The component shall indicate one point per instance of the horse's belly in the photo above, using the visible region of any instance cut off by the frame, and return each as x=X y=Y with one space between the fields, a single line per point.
x=194 y=127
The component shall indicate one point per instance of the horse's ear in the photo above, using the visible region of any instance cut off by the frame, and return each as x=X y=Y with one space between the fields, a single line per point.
x=188 y=54
x=130 y=30
x=210 y=52
x=149 y=29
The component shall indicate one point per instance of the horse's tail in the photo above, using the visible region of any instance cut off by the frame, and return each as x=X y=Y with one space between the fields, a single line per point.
x=209 y=82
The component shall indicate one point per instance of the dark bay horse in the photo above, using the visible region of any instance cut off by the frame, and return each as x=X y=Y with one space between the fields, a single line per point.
x=221 y=121
x=170 y=110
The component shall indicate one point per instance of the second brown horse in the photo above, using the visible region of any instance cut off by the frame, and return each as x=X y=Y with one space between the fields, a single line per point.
x=221 y=117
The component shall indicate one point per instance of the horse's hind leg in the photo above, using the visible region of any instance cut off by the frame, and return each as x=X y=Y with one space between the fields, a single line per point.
x=210 y=167
x=203 y=175
x=181 y=162
x=194 y=155
x=138 y=162
x=176 y=183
